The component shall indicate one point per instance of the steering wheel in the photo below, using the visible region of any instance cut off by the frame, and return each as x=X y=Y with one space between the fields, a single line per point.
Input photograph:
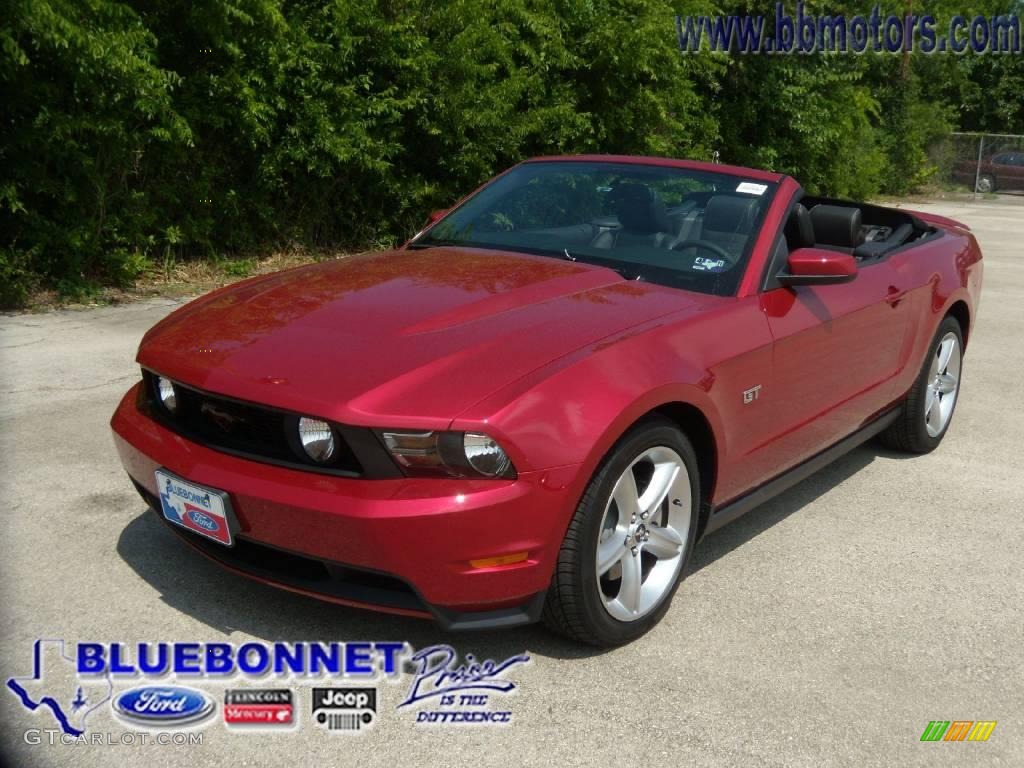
x=706 y=245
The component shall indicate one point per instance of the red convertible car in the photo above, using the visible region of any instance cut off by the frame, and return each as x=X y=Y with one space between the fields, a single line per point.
x=537 y=406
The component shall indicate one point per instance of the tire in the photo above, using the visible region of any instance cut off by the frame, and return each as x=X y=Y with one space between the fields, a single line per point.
x=624 y=600
x=986 y=184
x=927 y=411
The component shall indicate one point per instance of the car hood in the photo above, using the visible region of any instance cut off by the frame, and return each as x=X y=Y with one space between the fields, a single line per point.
x=400 y=338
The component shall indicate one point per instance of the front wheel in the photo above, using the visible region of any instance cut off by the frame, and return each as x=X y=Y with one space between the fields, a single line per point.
x=629 y=540
x=929 y=406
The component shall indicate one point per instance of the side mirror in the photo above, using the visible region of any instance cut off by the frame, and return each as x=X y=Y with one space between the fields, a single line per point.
x=432 y=219
x=818 y=266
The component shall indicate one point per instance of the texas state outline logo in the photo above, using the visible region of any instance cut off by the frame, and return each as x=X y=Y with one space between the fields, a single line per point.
x=55 y=687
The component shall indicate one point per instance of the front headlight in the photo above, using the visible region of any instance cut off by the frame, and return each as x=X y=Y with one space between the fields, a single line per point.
x=165 y=389
x=457 y=454
x=485 y=455
x=317 y=439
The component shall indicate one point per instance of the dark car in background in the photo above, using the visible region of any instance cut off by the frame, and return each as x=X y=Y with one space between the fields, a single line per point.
x=1003 y=171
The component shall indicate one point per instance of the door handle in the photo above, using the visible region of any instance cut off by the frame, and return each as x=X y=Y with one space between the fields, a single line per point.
x=895 y=295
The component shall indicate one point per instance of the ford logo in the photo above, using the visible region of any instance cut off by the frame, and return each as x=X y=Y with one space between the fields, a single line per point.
x=163 y=705
x=203 y=521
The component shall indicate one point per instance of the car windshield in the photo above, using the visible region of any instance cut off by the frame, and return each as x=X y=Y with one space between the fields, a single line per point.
x=684 y=228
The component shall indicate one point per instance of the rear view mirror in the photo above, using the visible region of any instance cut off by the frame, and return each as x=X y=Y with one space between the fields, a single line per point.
x=818 y=266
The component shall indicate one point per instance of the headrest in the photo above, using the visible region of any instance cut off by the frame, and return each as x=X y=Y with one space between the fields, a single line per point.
x=836 y=225
x=799 y=229
x=640 y=209
x=730 y=213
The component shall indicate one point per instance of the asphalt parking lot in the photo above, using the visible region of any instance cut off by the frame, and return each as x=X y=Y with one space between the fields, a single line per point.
x=826 y=628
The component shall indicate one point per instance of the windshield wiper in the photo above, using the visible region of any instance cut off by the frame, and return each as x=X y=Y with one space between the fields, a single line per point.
x=432 y=244
x=624 y=272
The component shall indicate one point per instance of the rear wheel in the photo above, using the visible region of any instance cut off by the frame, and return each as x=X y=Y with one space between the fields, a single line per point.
x=627 y=544
x=929 y=406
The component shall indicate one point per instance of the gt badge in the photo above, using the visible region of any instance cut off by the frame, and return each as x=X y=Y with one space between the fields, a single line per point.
x=750 y=395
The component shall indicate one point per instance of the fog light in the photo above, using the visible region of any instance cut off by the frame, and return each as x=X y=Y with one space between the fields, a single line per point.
x=317 y=439
x=485 y=455
x=169 y=398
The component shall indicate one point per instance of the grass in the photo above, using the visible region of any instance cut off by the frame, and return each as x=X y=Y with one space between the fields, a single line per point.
x=176 y=279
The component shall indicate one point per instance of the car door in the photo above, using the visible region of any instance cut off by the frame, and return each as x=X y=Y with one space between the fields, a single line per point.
x=1015 y=172
x=836 y=352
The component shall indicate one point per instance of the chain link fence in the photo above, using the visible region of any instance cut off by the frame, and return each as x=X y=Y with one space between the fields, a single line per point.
x=983 y=163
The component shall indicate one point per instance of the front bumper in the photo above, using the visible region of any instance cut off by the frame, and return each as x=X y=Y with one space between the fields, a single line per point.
x=400 y=545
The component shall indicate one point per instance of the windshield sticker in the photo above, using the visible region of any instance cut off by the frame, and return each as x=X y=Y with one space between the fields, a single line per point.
x=751 y=189
x=702 y=264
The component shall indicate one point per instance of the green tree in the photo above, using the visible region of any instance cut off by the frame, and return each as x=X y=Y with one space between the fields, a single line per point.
x=85 y=105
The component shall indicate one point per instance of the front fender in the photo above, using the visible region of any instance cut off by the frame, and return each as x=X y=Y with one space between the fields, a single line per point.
x=574 y=415
x=572 y=412
x=555 y=424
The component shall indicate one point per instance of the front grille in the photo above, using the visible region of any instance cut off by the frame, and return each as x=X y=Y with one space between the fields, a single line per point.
x=247 y=429
x=233 y=425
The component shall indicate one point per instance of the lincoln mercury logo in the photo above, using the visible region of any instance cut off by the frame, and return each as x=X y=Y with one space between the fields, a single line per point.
x=222 y=419
x=265 y=706
x=750 y=395
x=958 y=730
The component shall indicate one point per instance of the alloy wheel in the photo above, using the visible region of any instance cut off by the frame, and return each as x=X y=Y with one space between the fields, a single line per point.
x=643 y=535
x=943 y=385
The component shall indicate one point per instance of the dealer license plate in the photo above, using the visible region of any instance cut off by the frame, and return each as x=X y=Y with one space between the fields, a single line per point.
x=202 y=510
